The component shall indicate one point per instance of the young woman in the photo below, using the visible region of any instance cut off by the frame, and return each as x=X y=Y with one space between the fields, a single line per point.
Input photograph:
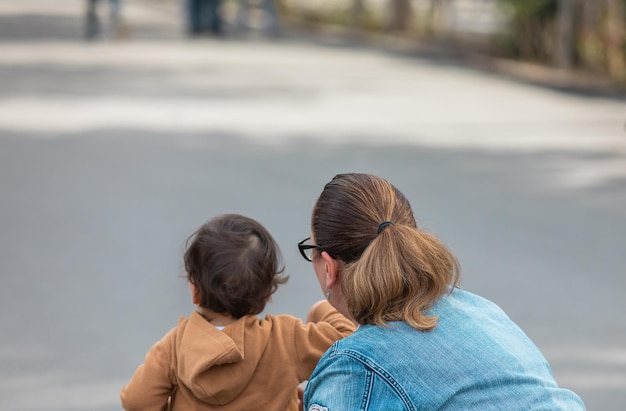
x=423 y=343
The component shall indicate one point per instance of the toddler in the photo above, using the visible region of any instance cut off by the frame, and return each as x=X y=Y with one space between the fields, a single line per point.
x=223 y=357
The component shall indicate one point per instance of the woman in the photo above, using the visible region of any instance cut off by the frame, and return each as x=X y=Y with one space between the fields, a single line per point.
x=423 y=343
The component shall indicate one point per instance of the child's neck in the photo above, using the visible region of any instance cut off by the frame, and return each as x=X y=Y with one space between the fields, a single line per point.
x=217 y=319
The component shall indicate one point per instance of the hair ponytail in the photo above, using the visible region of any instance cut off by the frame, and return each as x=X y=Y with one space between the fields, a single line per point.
x=398 y=277
x=391 y=270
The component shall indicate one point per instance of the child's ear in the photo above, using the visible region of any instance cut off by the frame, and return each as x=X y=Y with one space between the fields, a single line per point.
x=195 y=294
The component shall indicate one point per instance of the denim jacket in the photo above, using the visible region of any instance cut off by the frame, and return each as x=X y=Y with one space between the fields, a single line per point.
x=475 y=359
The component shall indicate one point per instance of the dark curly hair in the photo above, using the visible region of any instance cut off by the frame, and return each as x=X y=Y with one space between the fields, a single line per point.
x=235 y=264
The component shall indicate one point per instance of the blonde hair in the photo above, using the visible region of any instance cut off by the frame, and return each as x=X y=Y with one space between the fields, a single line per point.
x=396 y=274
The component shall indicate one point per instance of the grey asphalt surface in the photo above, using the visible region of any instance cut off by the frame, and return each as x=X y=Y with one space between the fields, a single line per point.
x=113 y=152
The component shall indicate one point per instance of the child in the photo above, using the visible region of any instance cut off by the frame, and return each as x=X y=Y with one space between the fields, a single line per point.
x=223 y=357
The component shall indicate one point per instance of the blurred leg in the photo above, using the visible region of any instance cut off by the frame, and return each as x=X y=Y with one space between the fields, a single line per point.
x=91 y=19
x=115 y=16
x=243 y=8
x=194 y=17
x=214 y=11
x=272 y=12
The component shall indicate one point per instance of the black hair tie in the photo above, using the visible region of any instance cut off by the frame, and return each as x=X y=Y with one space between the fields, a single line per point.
x=382 y=226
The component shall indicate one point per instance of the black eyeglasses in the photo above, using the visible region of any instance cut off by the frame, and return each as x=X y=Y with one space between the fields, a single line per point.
x=307 y=249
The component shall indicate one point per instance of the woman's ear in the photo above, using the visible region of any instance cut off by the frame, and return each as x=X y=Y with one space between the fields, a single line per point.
x=331 y=270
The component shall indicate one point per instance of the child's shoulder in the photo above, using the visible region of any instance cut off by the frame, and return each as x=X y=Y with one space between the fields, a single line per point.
x=278 y=321
x=287 y=318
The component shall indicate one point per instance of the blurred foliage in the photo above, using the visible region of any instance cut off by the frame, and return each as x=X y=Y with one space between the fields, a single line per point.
x=598 y=41
x=348 y=13
x=528 y=30
x=531 y=26
x=535 y=10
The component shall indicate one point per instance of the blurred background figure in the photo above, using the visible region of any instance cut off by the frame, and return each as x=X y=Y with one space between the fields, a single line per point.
x=115 y=27
x=269 y=20
x=204 y=16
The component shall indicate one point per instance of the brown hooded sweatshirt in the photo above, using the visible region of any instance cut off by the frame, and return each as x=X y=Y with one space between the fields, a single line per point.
x=252 y=364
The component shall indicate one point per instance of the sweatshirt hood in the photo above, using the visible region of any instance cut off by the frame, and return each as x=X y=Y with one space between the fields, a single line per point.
x=216 y=365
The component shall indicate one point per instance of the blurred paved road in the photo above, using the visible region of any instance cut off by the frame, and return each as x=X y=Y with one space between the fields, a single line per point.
x=113 y=152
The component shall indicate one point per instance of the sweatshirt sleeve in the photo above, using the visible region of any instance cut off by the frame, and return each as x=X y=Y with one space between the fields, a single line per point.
x=151 y=386
x=326 y=325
